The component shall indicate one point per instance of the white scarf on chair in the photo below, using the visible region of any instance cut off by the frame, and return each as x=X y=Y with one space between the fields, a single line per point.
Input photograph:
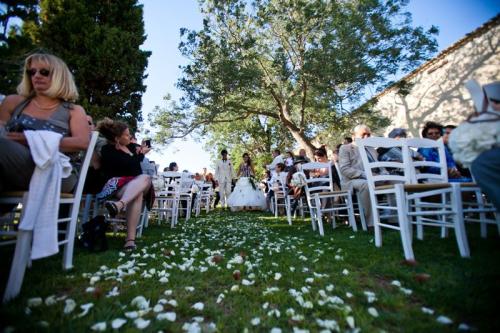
x=42 y=206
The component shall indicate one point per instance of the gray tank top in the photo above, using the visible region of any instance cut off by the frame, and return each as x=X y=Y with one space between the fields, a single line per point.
x=58 y=122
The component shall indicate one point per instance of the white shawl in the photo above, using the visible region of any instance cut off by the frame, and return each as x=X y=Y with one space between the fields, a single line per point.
x=42 y=206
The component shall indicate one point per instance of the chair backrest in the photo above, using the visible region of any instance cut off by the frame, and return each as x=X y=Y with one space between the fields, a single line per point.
x=85 y=166
x=318 y=184
x=375 y=170
x=418 y=168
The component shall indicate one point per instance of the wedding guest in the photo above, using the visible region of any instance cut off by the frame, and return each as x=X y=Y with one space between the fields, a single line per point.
x=277 y=158
x=465 y=172
x=353 y=173
x=121 y=163
x=302 y=154
x=434 y=131
x=321 y=156
x=45 y=100
x=289 y=160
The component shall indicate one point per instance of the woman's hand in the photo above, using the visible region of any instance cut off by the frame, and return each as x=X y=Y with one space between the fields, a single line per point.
x=18 y=137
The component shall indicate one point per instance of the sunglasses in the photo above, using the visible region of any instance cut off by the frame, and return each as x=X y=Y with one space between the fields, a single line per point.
x=43 y=72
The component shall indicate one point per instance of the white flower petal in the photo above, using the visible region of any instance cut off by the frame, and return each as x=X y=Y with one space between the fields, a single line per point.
x=427 y=310
x=198 y=306
x=117 y=323
x=69 y=306
x=372 y=311
x=255 y=321
x=170 y=316
x=444 y=320
x=158 y=308
x=35 y=301
x=141 y=323
x=99 y=326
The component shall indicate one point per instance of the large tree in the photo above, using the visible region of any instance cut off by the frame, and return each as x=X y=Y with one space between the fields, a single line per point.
x=306 y=64
x=100 y=41
x=14 y=45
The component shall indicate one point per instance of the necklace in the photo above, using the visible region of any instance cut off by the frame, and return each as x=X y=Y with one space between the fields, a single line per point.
x=50 y=107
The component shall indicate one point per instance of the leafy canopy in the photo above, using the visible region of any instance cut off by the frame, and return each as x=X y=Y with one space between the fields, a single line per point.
x=306 y=64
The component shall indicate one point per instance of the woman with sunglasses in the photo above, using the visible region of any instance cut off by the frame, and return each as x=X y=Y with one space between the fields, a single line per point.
x=45 y=101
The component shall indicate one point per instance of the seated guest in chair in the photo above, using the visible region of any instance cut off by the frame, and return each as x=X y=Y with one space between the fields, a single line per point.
x=353 y=173
x=121 y=163
x=434 y=131
x=45 y=101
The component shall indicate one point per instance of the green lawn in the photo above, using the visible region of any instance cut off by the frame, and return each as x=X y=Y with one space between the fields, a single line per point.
x=289 y=278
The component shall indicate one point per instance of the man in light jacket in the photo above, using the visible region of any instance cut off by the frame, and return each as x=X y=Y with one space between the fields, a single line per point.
x=224 y=175
x=353 y=173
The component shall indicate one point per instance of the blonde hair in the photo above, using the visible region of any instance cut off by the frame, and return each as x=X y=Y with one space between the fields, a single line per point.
x=62 y=84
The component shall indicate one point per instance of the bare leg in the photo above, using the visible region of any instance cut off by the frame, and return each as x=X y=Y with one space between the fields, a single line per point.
x=131 y=198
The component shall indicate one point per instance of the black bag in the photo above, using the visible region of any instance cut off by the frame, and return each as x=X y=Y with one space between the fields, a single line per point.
x=93 y=237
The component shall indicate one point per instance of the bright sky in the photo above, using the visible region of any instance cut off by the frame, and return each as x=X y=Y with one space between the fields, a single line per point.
x=163 y=19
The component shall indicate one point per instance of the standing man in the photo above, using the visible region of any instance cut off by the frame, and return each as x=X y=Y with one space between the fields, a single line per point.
x=224 y=174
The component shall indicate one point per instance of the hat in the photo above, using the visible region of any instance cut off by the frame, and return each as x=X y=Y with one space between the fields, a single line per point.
x=401 y=132
x=492 y=90
x=299 y=159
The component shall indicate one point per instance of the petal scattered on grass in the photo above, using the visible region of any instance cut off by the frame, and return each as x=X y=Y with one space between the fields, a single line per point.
x=444 y=320
x=117 y=323
x=198 y=306
x=99 y=327
x=35 y=301
x=141 y=323
x=69 y=306
x=255 y=321
x=373 y=312
x=170 y=316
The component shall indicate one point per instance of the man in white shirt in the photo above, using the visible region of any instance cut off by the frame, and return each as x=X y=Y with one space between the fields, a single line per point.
x=224 y=175
x=277 y=158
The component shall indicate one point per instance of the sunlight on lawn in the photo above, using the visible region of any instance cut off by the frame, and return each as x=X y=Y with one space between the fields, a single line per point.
x=248 y=271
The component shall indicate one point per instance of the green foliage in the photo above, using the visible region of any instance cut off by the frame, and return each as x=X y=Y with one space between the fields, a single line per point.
x=306 y=64
x=14 y=45
x=100 y=41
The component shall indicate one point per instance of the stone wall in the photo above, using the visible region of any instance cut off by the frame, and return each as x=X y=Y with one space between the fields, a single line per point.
x=437 y=88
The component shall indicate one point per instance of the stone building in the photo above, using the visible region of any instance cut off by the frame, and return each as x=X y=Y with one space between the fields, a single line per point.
x=435 y=91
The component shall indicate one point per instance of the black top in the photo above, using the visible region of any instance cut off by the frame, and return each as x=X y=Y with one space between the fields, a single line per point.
x=117 y=163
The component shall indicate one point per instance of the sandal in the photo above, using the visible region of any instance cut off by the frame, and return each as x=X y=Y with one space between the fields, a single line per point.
x=113 y=208
x=130 y=248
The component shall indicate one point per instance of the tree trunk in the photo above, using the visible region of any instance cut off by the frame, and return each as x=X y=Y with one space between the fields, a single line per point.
x=296 y=132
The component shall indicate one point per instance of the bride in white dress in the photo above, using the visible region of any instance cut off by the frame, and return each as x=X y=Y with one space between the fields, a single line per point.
x=246 y=194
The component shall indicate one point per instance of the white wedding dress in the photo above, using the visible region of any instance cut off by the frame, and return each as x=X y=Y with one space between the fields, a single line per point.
x=245 y=196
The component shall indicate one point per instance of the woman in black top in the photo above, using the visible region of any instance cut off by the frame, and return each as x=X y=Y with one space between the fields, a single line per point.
x=121 y=163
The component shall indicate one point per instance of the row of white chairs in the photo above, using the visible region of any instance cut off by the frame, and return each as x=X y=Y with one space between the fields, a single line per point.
x=321 y=198
x=420 y=198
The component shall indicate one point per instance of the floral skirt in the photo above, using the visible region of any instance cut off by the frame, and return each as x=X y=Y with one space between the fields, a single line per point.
x=114 y=184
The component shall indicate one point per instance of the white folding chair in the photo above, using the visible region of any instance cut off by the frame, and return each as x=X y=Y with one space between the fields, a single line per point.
x=23 y=237
x=281 y=197
x=437 y=203
x=167 y=204
x=184 y=194
x=203 y=198
x=321 y=197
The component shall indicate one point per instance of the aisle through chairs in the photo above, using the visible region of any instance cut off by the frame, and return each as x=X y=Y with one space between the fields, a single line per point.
x=436 y=203
x=24 y=238
x=321 y=197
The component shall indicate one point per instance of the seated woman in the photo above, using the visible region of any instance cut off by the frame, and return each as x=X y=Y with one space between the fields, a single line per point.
x=434 y=131
x=321 y=156
x=45 y=101
x=246 y=194
x=121 y=163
